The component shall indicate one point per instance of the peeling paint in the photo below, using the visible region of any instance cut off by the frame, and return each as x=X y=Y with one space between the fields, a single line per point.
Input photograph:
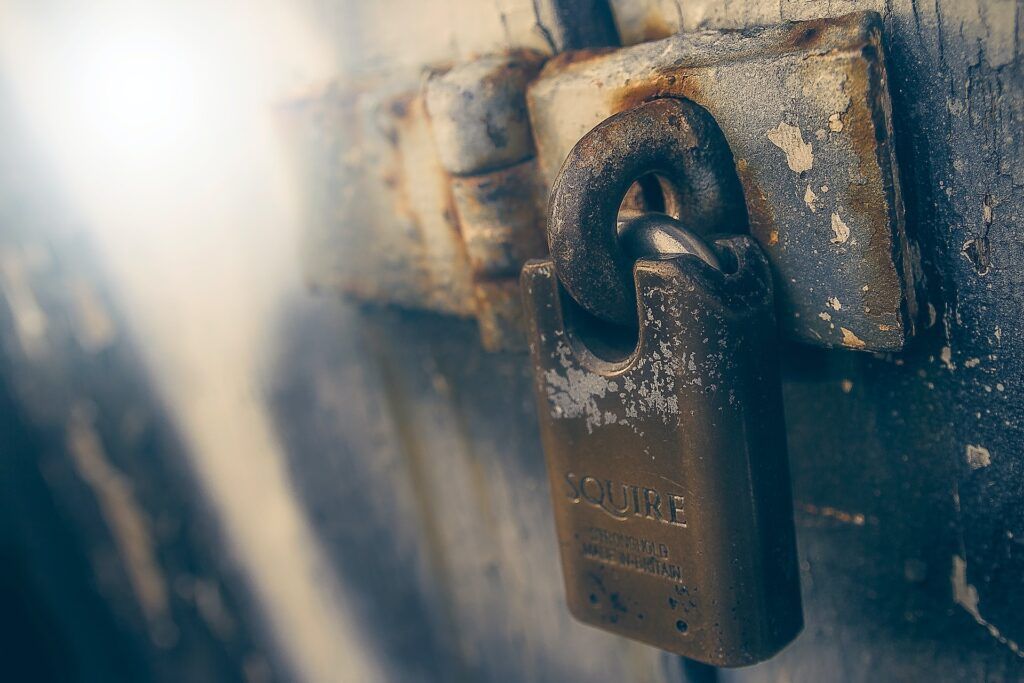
x=834 y=303
x=978 y=457
x=649 y=389
x=840 y=231
x=835 y=123
x=799 y=154
x=574 y=394
x=851 y=339
x=810 y=199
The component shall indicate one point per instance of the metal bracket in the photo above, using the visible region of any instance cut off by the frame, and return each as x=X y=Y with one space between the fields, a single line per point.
x=805 y=109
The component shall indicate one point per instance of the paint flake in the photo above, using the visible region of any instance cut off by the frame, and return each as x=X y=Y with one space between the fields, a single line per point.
x=799 y=154
x=978 y=457
x=840 y=231
x=851 y=339
x=810 y=199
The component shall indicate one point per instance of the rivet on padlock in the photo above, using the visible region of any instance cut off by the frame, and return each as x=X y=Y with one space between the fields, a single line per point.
x=667 y=456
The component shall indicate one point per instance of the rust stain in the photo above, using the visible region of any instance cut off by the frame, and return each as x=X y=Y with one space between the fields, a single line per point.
x=819 y=34
x=500 y=315
x=694 y=86
x=871 y=194
x=760 y=214
x=664 y=83
x=808 y=35
x=394 y=120
x=408 y=174
x=501 y=219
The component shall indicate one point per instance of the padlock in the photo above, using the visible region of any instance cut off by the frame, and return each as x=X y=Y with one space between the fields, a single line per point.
x=665 y=440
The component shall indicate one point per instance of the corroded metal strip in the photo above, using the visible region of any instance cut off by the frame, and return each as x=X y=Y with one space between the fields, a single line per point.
x=805 y=110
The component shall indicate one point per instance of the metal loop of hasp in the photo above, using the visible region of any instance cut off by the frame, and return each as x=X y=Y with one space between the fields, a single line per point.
x=673 y=138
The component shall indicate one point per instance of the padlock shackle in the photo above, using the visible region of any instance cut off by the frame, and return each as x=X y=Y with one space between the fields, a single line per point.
x=670 y=137
x=658 y=236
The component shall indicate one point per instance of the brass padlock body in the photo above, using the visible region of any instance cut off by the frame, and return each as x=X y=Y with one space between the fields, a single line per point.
x=668 y=468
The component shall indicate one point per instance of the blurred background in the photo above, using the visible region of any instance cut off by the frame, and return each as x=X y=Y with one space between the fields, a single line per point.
x=149 y=244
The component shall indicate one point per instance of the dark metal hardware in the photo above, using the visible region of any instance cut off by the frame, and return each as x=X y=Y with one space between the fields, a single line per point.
x=667 y=454
x=673 y=138
x=669 y=476
x=661 y=237
x=806 y=112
